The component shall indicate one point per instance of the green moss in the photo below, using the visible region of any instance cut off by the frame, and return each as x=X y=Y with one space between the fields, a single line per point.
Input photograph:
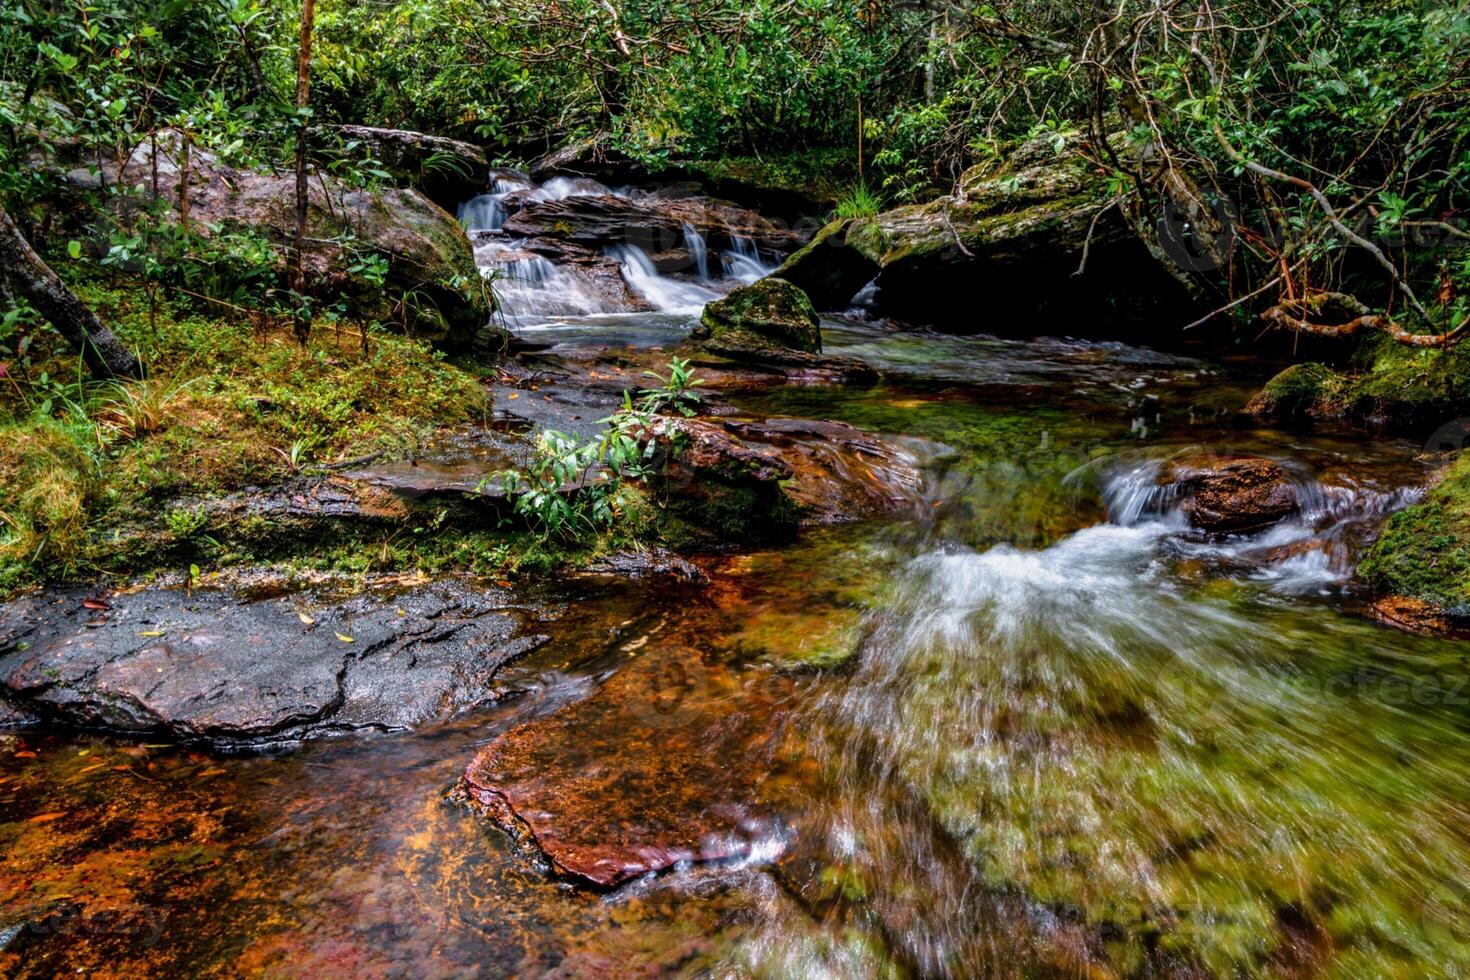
x=721 y=513
x=1424 y=550
x=770 y=311
x=1295 y=391
x=224 y=407
x=1387 y=383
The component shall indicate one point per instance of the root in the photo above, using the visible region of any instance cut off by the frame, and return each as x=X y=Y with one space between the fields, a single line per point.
x=1302 y=314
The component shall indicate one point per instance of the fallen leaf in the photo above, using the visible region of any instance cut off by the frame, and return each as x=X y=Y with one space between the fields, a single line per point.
x=47 y=817
x=345 y=638
x=151 y=633
x=25 y=755
x=306 y=619
x=515 y=394
x=95 y=603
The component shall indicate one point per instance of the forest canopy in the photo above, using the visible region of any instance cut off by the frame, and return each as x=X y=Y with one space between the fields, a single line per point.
x=1331 y=141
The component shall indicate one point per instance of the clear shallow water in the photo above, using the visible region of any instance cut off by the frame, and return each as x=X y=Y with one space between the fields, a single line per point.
x=1074 y=738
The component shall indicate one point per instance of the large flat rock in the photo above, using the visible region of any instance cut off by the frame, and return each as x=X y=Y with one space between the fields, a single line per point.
x=662 y=765
x=234 y=667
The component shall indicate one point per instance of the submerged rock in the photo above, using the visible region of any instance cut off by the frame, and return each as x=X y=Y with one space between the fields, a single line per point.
x=661 y=766
x=239 y=668
x=739 y=480
x=768 y=312
x=1233 y=496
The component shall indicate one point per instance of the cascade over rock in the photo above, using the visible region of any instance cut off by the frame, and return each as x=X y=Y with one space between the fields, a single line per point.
x=1007 y=243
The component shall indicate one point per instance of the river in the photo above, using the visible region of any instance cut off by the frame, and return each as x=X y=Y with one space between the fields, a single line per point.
x=1033 y=726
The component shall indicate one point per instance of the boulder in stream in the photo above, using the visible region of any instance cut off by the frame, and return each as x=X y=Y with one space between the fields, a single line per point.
x=768 y=312
x=1233 y=496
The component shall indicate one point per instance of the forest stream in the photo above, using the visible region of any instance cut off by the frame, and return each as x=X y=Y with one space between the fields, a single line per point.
x=1031 y=722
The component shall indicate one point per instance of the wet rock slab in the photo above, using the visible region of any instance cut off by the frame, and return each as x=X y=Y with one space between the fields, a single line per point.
x=232 y=667
x=662 y=765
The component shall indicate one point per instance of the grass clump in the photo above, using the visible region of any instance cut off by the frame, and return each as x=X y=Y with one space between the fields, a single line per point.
x=49 y=483
x=859 y=202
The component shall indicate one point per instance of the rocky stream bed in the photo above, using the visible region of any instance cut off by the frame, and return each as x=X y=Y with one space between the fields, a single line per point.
x=1038 y=658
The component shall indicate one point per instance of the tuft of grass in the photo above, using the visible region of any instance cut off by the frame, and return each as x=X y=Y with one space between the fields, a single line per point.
x=859 y=202
x=49 y=483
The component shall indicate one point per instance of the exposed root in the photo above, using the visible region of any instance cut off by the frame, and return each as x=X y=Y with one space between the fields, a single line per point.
x=1303 y=315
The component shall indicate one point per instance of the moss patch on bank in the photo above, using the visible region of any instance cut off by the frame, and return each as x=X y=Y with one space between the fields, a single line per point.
x=225 y=406
x=1424 y=550
x=1386 y=383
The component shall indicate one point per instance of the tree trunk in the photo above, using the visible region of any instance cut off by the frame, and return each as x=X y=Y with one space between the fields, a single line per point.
x=104 y=354
x=303 y=186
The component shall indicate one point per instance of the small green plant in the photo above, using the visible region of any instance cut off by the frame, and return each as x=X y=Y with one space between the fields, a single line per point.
x=573 y=487
x=185 y=523
x=675 y=391
x=860 y=202
x=297 y=456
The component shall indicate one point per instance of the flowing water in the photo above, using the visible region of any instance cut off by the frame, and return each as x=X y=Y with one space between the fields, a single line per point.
x=1039 y=727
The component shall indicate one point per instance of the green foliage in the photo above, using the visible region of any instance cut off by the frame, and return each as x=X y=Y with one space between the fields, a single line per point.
x=860 y=202
x=572 y=488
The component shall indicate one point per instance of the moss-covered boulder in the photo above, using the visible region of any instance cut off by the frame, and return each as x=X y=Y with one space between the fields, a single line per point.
x=827 y=270
x=389 y=255
x=768 y=313
x=1010 y=241
x=1423 y=552
x=1294 y=392
x=1385 y=384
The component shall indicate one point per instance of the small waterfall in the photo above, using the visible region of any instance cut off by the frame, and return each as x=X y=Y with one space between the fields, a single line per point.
x=698 y=251
x=744 y=262
x=530 y=287
x=663 y=294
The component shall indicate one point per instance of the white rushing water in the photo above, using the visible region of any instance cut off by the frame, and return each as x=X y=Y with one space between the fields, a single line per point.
x=744 y=262
x=530 y=288
x=532 y=291
x=662 y=293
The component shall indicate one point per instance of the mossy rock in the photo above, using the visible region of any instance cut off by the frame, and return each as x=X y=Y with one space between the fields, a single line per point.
x=827 y=269
x=1294 y=392
x=1424 y=550
x=1387 y=384
x=770 y=311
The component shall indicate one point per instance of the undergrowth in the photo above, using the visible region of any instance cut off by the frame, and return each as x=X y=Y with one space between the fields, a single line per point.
x=225 y=405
